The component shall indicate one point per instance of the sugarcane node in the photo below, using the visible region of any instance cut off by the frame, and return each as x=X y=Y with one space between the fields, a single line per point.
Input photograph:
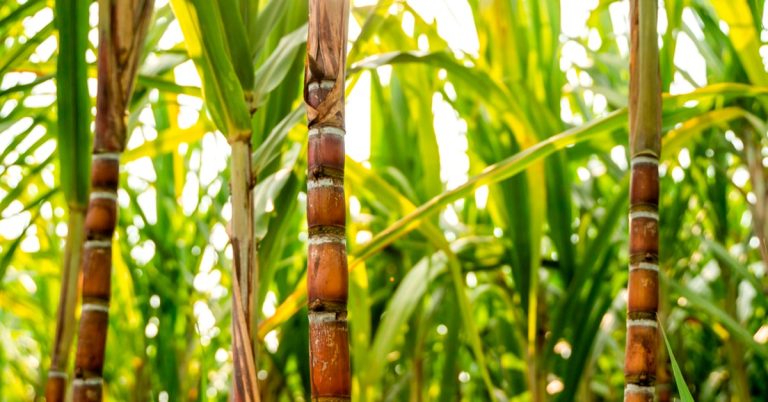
x=326 y=306
x=638 y=258
x=320 y=230
x=641 y=316
x=319 y=171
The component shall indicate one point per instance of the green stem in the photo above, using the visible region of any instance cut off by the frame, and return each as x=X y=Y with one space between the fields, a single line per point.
x=65 y=316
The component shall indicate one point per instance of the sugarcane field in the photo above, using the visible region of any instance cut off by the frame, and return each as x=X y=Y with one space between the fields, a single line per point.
x=383 y=200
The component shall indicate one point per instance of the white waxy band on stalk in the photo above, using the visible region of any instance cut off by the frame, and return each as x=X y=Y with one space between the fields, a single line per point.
x=327 y=84
x=87 y=381
x=317 y=317
x=644 y=265
x=325 y=239
x=639 y=389
x=645 y=160
x=57 y=374
x=109 y=155
x=323 y=182
x=643 y=322
x=98 y=244
x=644 y=214
x=326 y=130
x=96 y=307
x=104 y=194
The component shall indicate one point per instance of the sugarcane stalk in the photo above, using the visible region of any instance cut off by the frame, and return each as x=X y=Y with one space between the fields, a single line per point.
x=327 y=280
x=122 y=28
x=645 y=146
x=245 y=387
x=56 y=383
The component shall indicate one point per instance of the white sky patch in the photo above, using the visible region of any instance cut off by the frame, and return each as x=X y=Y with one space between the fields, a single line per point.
x=689 y=59
x=215 y=152
x=619 y=156
x=186 y=74
x=574 y=16
x=357 y=141
x=619 y=12
x=171 y=37
x=450 y=132
x=454 y=22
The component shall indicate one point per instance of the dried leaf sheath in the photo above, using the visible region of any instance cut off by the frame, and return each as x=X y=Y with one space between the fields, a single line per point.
x=326 y=208
x=645 y=129
x=122 y=27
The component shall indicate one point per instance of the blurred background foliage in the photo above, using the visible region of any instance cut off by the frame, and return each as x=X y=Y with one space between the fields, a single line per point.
x=487 y=249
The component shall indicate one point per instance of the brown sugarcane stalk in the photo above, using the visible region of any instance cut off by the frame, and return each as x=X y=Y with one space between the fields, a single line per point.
x=326 y=208
x=122 y=27
x=645 y=147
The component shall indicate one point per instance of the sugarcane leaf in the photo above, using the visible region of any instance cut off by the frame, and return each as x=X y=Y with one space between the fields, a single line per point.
x=267 y=191
x=21 y=11
x=237 y=42
x=682 y=387
x=168 y=141
x=167 y=86
x=73 y=101
x=400 y=307
x=22 y=51
x=272 y=72
x=678 y=138
x=269 y=149
x=202 y=26
x=744 y=36
x=265 y=23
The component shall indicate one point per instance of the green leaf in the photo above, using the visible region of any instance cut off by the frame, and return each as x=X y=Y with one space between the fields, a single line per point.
x=237 y=42
x=73 y=101
x=201 y=23
x=274 y=69
x=682 y=388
